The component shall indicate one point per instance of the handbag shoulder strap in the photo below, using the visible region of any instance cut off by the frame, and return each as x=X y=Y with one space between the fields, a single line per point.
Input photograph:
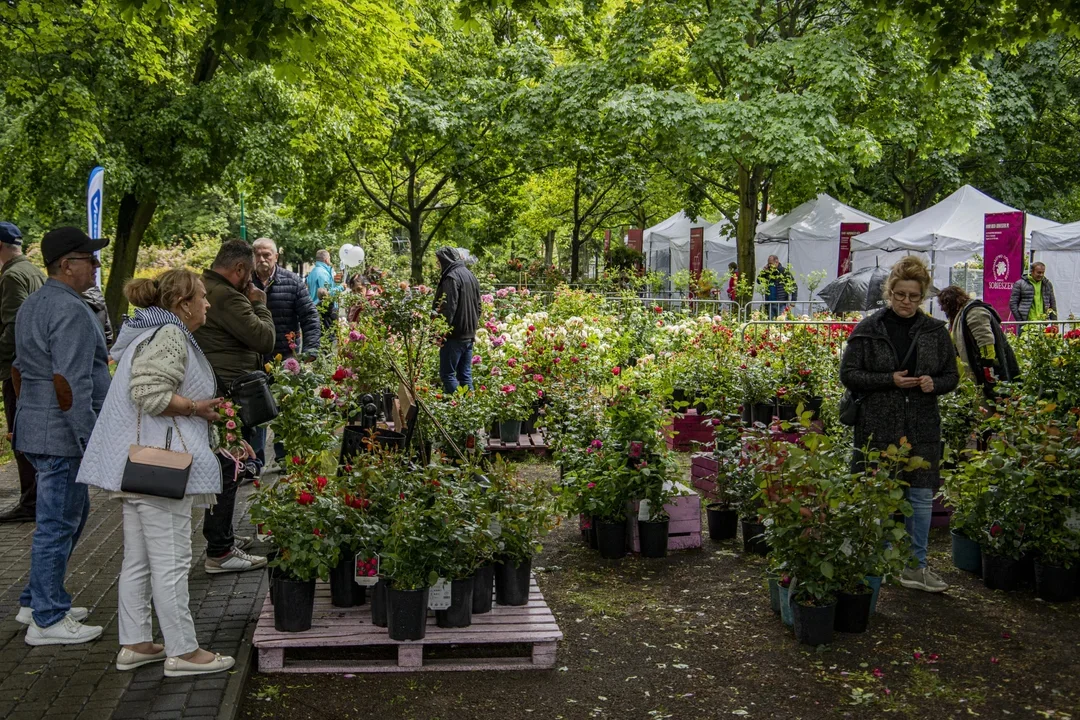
x=138 y=432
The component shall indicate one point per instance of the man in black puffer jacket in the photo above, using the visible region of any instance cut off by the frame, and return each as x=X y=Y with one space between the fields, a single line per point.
x=458 y=300
x=293 y=312
x=289 y=303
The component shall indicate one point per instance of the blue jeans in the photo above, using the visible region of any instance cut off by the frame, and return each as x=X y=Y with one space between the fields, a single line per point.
x=258 y=444
x=62 y=508
x=918 y=525
x=455 y=364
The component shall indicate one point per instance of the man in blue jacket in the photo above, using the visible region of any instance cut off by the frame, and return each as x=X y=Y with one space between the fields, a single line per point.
x=61 y=375
x=320 y=284
x=290 y=305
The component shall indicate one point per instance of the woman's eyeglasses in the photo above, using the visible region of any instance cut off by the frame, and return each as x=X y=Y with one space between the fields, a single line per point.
x=910 y=297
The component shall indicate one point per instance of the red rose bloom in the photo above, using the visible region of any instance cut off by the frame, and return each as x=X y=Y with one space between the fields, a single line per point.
x=296 y=460
x=321 y=482
x=326 y=394
x=616 y=370
x=305 y=498
x=340 y=374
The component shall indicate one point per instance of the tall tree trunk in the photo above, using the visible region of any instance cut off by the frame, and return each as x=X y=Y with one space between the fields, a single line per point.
x=575 y=253
x=416 y=247
x=132 y=220
x=749 y=186
x=549 y=248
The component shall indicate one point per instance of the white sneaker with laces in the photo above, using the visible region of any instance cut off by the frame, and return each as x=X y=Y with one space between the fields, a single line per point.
x=26 y=615
x=236 y=561
x=922 y=579
x=66 y=632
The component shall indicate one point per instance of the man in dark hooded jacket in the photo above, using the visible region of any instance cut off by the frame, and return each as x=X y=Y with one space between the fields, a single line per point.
x=458 y=300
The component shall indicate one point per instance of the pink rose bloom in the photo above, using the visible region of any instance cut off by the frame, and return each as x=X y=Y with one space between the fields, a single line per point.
x=423 y=289
x=598 y=443
x=227 y=404
x=476 y=359
x=538 y=378
x=525 y=292
x=511 y=362
x=636 y=448
x=230 y=438
x=354 y=335
x=231 y=425
x=501 y=292
x=495 y=372
x=487 y=298
x=591 y=485
x=511 y=289
x=540 y=394
x=497 y=341
x=292 y=366
x=229 y=412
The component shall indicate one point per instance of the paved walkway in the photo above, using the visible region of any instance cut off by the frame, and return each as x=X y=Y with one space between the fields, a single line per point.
x=81 y=682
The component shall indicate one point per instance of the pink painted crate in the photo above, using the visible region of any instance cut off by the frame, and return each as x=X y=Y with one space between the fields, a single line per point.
x=482 y=646
x=703 y=470
x=686 y=432
x=684 y=528
x=941 y=514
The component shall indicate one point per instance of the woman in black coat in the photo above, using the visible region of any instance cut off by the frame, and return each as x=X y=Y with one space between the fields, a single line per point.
x=897 y=362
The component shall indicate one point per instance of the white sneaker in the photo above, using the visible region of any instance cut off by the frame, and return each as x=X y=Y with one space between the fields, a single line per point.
x=236 y=561
x=66 y=632
x=26 y=615
x=176 y=667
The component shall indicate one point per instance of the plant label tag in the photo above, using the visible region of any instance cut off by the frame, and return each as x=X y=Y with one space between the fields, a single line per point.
x=643 y=511
x=495 y=528
x=367 y=569
x=439 y=597
x=261 y=533
x=1072 y=523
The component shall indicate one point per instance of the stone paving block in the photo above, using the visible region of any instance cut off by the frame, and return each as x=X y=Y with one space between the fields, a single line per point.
x=204 y=698
x=170 y=715
x=128 y=711
x=169 y=702
x=174 y=686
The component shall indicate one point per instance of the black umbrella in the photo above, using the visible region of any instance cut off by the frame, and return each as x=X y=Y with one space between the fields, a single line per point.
x=859 y=291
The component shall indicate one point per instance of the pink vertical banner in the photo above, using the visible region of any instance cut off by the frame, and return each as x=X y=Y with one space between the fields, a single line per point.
x=633 y=239
x=697 y=251
x=848 y=231
x=1003 y=257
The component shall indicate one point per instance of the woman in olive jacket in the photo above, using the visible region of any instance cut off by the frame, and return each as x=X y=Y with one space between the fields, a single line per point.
x=897 y=362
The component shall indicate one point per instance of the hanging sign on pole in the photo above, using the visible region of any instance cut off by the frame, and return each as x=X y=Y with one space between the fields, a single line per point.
x=633 y=239
x=95 y=190
x=697 y=251
x=848 y=231
x=1003 y=257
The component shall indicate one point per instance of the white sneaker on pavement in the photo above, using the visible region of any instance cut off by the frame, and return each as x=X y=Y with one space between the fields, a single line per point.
x=66 y=632
x=26 y=615
x=236 y=561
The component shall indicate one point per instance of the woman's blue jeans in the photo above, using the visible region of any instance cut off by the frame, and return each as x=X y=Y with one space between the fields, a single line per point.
x=918 y=525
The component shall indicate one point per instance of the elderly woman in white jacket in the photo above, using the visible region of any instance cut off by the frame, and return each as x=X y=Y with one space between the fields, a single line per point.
x=162 y=382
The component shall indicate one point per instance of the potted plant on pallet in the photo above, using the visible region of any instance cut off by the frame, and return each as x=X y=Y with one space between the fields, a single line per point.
x=524 y=512
x=735 y=483
x=513 y=405
x=301 y=519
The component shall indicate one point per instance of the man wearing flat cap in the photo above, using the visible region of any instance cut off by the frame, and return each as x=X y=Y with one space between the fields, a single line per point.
x=18 y=279
x=61 y=373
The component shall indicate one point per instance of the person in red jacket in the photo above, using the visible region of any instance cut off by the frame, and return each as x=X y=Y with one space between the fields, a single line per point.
x=733 y=282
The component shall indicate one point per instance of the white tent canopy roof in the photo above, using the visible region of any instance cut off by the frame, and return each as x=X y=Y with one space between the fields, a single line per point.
x=675 y=227
x=815 y=220
x=953 y=225
x=1062 y=237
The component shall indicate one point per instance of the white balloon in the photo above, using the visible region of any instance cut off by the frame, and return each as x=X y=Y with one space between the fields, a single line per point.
x=352 y=256
x=343 y=253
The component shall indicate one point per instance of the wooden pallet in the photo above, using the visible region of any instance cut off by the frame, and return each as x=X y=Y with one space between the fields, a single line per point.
x=684 y=521
x=533 y=442
x=481 y=646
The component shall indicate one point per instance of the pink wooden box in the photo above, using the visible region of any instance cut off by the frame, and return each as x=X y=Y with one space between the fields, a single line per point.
x=684 y=528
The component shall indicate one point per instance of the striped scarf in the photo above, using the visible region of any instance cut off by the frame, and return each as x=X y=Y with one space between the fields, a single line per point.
x=154 y=317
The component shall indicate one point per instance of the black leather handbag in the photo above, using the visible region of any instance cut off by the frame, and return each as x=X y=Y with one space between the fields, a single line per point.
x=252 y=393
x=158 y=472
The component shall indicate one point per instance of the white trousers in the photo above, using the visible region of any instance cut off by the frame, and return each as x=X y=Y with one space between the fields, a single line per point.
x=157 y=558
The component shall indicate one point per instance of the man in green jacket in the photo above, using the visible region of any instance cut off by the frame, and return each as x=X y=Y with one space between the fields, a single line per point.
x=18 y=279
x=239 y=331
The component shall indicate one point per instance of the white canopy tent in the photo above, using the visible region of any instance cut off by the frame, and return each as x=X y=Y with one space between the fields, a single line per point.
x=718 y=243
x=808 y=238
x=661 y=241
x=944 y=234
x=1059 y=249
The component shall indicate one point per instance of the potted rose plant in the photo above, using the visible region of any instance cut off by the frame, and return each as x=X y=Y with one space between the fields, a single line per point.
x=525 y=513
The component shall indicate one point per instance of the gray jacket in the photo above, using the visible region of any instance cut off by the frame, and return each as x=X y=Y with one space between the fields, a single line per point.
x=887 y=413
x=1023 y=297
x=61 y=372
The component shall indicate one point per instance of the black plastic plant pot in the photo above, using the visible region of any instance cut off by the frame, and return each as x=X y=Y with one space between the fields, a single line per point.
x=746 y=414
x=966 y=553
x=753 y=538
x=653 y=538
x=853 y=611
x=512 y=582
x=406 y=613
x=814 y=406
x=786 y=411
x=678 y=398
x=610 y=539
x=774 y=595
x=1000 y=573
x=271 y=572
x=1026 y=568
x=510 y=431
x=764 y=412
x=378 y=604
x=813 y=623
x=723 y=521
x=344 y=592
x=1054 y=583
x=295 y=602
x=459 y=614
x=483 y=590
x=354 y=441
